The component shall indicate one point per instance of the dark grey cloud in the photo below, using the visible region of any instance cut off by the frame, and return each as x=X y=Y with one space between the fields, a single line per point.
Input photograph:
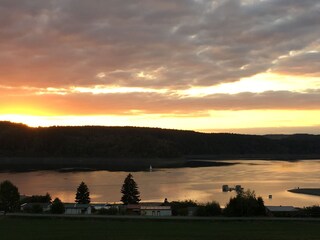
x=180 y=43
x=302 y=64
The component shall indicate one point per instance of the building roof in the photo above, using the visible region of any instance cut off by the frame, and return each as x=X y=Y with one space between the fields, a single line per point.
x=155 y=208
x=281 y=208
x=151 y=203
x=76 y=205
x=133 y=206
x=99 y=205
x=43 y=205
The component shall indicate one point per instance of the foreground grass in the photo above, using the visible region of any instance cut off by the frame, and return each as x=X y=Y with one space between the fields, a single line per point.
x=33 y=228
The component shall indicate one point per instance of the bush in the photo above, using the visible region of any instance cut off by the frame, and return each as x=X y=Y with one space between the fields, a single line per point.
x=209 y=209
x=37 y=199
x=180 y=208
x=313 y=211
x=245 y=204
x=57 y=207
x=108 y=211
x=36 y=208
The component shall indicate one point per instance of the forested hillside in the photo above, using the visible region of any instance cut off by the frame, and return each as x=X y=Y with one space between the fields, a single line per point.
x=17 y=140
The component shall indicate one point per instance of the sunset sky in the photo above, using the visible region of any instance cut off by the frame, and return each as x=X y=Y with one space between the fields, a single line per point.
x=250 y=66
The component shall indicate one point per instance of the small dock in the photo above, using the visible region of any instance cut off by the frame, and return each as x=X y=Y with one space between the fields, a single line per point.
x=237 y=188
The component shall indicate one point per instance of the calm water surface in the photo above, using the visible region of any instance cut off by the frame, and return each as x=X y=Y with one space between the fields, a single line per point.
x=201 y=184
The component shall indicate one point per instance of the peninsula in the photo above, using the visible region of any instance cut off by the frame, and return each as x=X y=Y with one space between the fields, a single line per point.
x=308 y=191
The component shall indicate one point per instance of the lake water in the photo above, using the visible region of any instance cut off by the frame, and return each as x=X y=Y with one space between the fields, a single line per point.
x=201 y=184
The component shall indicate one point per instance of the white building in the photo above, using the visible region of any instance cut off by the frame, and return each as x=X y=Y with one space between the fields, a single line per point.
x=162 y=211
x=75 y=208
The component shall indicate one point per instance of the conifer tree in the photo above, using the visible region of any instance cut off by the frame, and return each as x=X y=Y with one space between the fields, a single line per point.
x=9 y=196
x=131 y=194
x=83 y=194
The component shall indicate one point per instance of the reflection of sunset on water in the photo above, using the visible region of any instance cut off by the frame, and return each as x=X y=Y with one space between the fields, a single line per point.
x=201 y=184
x=288 y=167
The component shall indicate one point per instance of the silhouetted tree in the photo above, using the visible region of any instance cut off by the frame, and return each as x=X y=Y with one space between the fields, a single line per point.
x=312 y=211
x=57 y=207
x=208 y=209
x=9 y=196
x=37 y=199
x=245 y=204
x=181 y=208
x=131 y=194
x=83 y=194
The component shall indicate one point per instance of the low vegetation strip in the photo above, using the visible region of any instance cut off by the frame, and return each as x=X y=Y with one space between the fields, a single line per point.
x=60 y=228
x=158 y=218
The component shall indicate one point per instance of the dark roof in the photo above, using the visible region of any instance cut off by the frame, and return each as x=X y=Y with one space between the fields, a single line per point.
x=29 y=205
x=133 y=206
x=155 y=208
x=76 y=205
x=281 y=208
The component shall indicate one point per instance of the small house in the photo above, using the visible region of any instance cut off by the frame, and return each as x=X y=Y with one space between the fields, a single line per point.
x=76 y=208
x=282 y=211
x=99 y=206
x=161 y=211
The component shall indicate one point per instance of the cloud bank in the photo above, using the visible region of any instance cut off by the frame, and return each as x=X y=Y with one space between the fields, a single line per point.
x=174 y=44
x=155 y=49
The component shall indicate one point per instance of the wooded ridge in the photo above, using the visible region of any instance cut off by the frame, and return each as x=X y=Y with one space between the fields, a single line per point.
x=94 y=142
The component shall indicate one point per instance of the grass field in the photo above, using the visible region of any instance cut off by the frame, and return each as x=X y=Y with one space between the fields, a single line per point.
x=96 y=229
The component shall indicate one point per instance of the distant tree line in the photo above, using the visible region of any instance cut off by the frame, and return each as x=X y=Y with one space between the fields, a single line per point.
x=17 y=140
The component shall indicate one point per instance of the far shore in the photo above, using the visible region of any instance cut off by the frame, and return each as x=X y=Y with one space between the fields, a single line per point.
x=96 y=164
x=73 y=164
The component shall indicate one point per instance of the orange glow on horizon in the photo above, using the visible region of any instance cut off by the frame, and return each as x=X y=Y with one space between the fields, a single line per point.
x=25 y=110
x=216 y=121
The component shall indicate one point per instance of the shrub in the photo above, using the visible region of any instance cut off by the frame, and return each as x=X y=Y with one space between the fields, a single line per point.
x=180 y=208
x=109 y=211
x=37 y=199
x=36 y=208
x=313 y=211
x=57 y=207
x=208 y=209
x=245 y=204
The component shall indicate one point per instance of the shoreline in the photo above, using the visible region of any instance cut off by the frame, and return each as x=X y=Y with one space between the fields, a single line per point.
x=61 y=164
x=87 y=165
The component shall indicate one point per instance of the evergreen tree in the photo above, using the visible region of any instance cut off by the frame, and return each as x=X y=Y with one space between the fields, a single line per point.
x=131 y=194
x=9 y=196
x=82 y=195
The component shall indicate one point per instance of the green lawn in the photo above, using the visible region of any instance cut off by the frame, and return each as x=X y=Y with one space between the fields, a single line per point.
x=95 y=229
